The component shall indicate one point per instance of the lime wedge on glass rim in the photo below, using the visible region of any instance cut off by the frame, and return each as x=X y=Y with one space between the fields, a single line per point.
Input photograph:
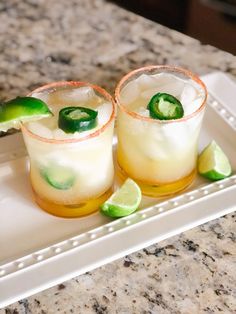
x=124 y=201
x=213 y=164
x=20 y=110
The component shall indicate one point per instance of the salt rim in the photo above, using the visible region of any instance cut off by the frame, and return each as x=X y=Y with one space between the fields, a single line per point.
x=96 y=132
x=135 y=115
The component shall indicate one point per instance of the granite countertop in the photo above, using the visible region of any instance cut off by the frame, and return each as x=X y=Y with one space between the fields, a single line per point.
x=93 y=40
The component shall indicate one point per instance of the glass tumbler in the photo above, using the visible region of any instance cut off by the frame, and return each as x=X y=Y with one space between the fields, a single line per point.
x=84 y=163
x=160 y=155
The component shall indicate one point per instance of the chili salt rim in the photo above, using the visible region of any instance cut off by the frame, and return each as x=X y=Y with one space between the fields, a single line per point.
x=133 y=114
x=96 y=133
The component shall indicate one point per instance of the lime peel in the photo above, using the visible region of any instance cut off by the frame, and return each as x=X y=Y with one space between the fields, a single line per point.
x=124 y=201
x=213 y=164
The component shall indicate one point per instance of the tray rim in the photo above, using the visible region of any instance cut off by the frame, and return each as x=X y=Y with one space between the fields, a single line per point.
x=58 y=250
x=61 y=247
x=40 y=276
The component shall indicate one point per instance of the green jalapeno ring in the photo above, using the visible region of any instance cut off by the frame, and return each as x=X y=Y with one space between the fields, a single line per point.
x=164 y=106
x=77 y=119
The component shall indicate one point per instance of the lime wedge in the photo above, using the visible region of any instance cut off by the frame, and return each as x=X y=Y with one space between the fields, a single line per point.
x=124 y=201
x=213 y=164
x=22 y=109
x=59 y=177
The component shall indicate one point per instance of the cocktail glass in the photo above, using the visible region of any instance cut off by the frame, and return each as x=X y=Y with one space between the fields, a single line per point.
x=160 y=155
x=71 y=176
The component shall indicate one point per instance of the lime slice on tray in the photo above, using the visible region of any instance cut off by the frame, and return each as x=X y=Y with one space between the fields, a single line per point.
x=77 y=119
x=124 y=201
x=22 y=109
x=59 y=177
x=213 y=164
x=164 y=106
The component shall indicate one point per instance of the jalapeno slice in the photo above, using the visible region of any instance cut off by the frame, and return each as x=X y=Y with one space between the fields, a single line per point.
x=59 y=177
x=164 y=106
x=77 y=119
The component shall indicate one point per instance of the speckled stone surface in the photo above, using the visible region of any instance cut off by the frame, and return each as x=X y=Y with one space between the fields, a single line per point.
x=50 y=40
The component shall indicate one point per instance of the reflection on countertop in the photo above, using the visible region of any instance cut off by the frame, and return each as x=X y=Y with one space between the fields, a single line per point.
x=43 y=41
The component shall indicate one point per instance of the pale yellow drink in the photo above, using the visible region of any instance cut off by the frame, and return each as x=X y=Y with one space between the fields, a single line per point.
x=159 y=154
x=71 y=174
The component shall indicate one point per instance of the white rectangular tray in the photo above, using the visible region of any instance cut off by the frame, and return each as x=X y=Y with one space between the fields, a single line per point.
x=38 y=250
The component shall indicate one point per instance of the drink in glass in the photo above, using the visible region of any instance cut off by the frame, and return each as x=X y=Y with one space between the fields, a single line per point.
x=71 y=173
x=160 y=155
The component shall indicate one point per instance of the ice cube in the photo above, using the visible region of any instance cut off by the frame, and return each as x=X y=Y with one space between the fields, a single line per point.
x=165 y=78
x=84 y=93
x=188 y=94
x=40 y=129
x=146 y=81
x=175 y=136
x=130 y=92
x=104 y=113
x=173 y=89
x=147 y=94
x=59 y=134
x=72 y=96
x=51 y=122
x=143 y=111
x=192 y=106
